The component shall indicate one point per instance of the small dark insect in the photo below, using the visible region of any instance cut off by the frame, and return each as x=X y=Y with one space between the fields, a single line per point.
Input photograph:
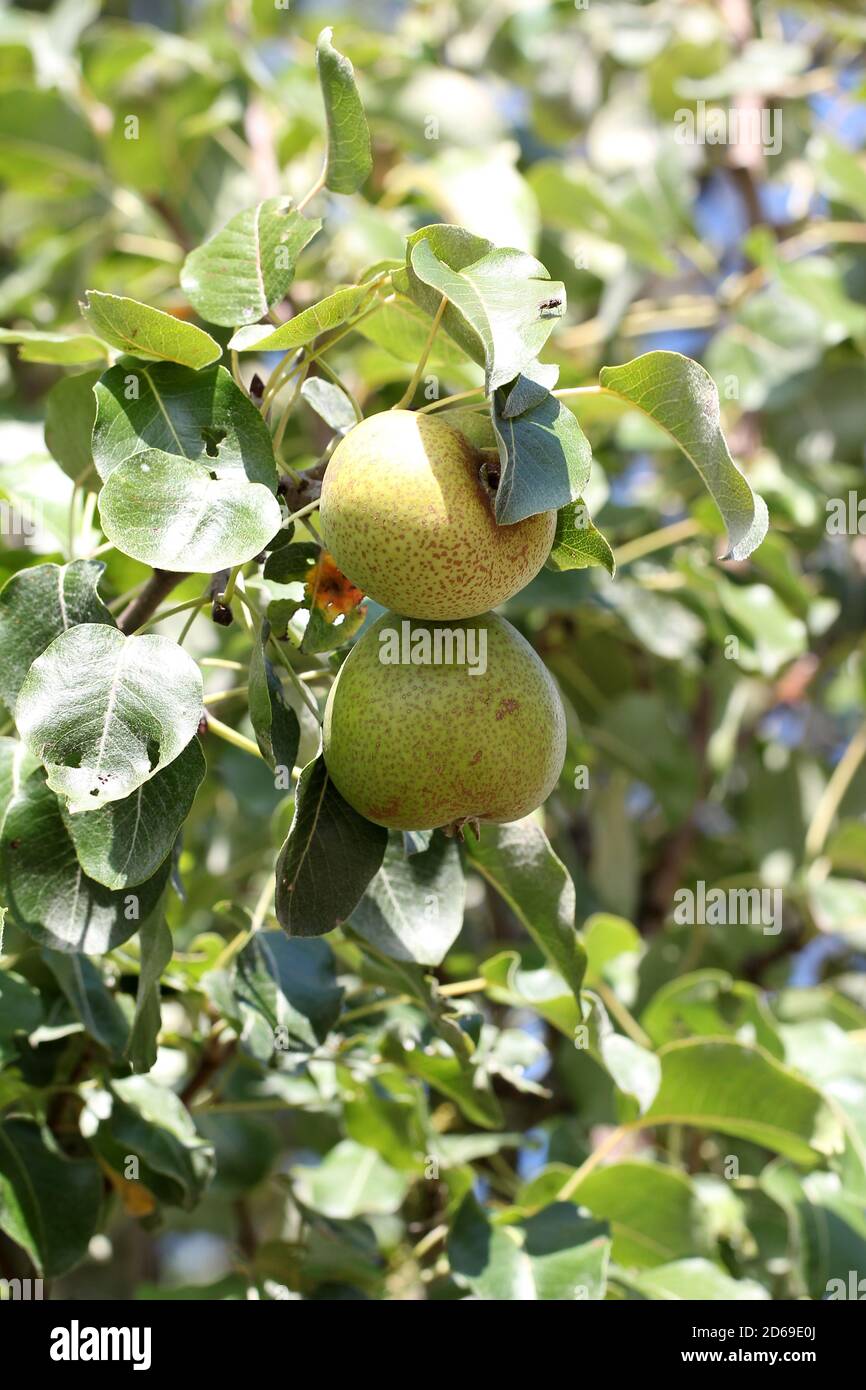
x=222 y=614
x=549 y=304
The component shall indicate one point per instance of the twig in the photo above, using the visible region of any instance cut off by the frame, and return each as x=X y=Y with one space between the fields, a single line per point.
x=158 y=587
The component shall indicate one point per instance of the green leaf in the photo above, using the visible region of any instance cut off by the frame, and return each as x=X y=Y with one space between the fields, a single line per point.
x=682 y=399
x=413 y=908
x=330 y=403
x=634 y=1070
x=531 y=388
x=696 y=1279
x=652 y=1211
x=20 y=1005
x=733 y=1088
x=125 y=842
x=105 y=712
x=507 y=300
x=555 y=1255
x=179 y=515
x=329 y=857
x=350 y=1181
x=518 y=861
x=150 y=1122
x=578 y=543
x=286 y=992
x=329 y=313
x=349 y=159
x=274 y=722
x=47 y=892
x=247 y=266
x=197 y=415
x=70 y=410
x=711 y=1003
x=37 y=605
x=49 y=1205
x=545 y=461
x=543 y=991
x=290 y=563
x=60 y=349
x=454 y=1077
x=145 y=332
x=45 y=142
x=575 y=198
x=89 y=998
x=156 y=952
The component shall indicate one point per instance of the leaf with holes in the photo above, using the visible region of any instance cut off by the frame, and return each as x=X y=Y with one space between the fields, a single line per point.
x=125 y=842
x=330 y=855
x=39 y=604
x=349 y=159
x=179 y=515
x=197 y=415
x=247 y=266
x=145 y=332
x=105 y=712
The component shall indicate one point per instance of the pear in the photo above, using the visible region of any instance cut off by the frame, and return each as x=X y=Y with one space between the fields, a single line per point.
x=432 y=725
x=410 y=521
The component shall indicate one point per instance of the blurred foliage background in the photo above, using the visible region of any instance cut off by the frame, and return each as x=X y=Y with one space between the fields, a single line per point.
x=717 y=709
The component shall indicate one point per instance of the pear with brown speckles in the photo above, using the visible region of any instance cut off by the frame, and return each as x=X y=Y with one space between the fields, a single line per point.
x=408 y=520
x=432 y=724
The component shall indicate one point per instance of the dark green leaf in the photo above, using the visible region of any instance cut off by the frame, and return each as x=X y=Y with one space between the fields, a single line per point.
x=518 y=861
x=274 y=722
x=37 y=605
x=156 y=952
x=49 y=1205
x=556 y=1255
x=70 y=410
x=89 y=998
x=199 y=415
x=413 y=908
x=545 y=460
x=328 y=859
x=45 y=889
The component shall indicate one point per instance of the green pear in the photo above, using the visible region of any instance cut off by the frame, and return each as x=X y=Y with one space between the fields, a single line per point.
x=432 y=724
x=409 y=520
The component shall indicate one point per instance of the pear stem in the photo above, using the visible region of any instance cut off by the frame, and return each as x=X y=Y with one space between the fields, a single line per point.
x=422 y=360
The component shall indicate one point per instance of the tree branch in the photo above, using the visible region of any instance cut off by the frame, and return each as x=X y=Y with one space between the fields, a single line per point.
x=158 y=587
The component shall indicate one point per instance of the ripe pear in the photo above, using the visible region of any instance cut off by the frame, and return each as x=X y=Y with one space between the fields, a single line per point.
x=409 y=521
x=414 y=744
